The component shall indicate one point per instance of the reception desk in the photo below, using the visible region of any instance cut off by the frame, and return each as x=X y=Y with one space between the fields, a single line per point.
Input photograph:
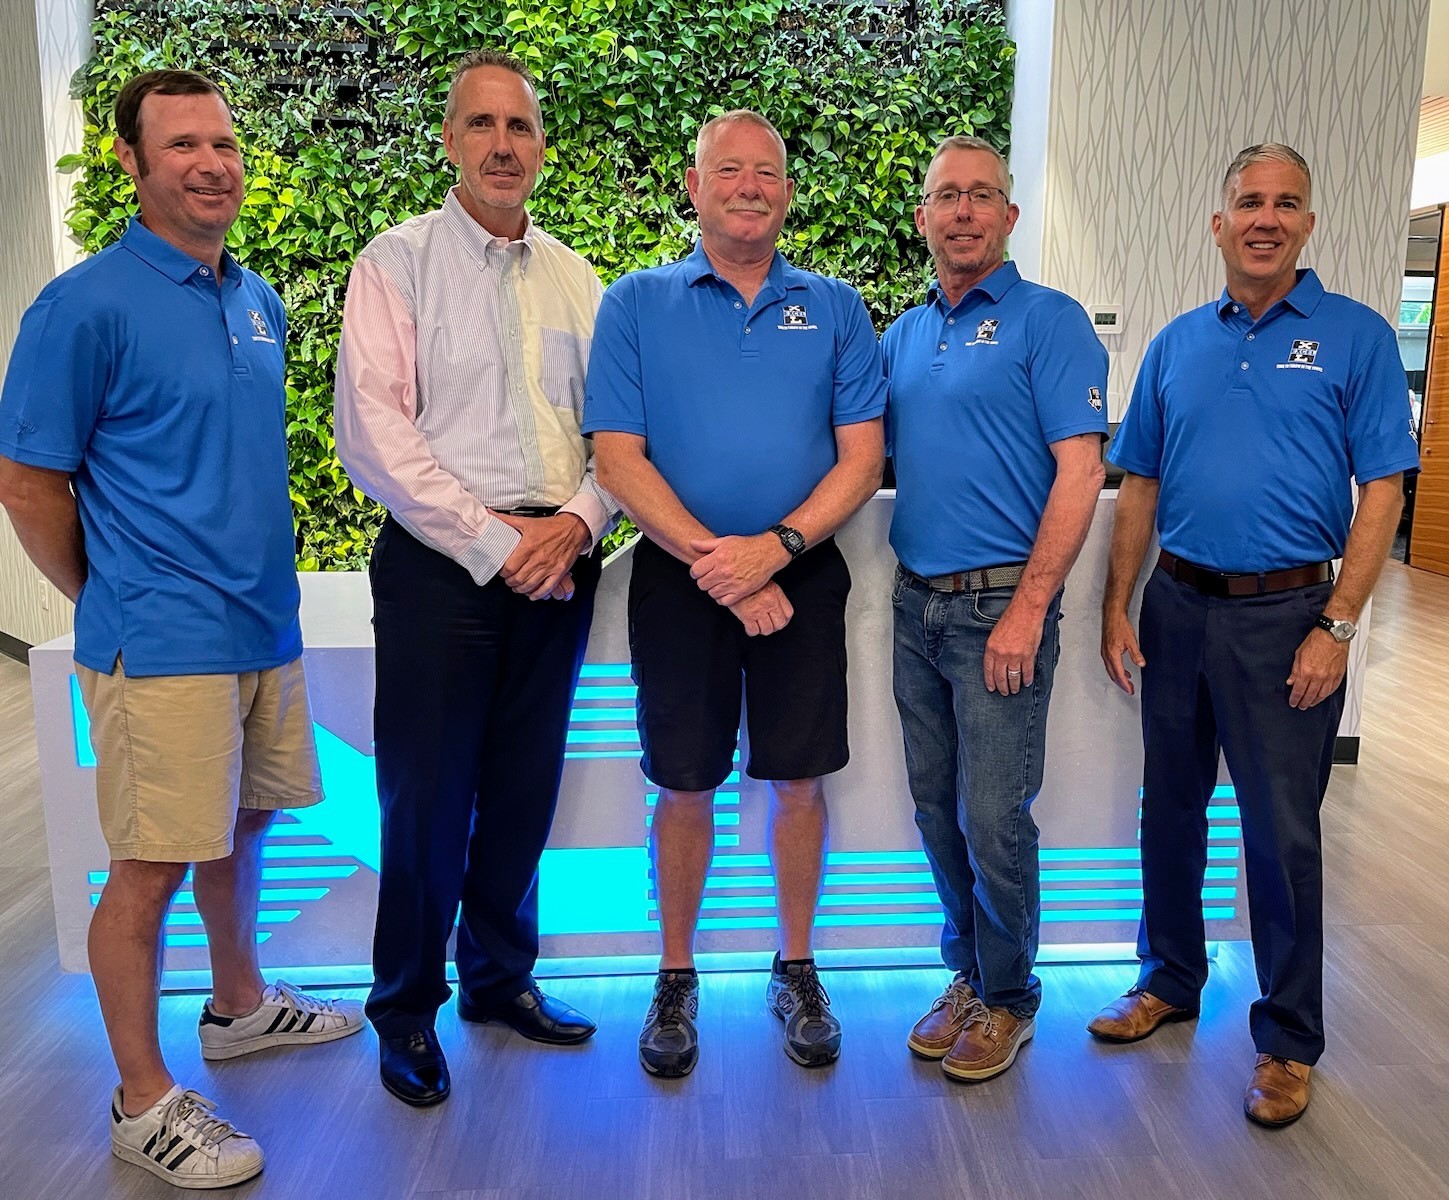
x=597 y=910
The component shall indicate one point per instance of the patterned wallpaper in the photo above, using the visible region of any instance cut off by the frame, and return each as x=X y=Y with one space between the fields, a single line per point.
x=41 y=44
x=1149 y=103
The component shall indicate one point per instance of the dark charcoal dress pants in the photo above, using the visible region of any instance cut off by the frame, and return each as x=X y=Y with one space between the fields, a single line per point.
x=473 y=692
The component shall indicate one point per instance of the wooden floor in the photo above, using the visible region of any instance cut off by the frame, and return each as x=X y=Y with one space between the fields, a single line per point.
x=1073 y=1118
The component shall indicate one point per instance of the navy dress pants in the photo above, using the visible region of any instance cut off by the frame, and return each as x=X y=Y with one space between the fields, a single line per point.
x=1215 y=678
x=473 y=692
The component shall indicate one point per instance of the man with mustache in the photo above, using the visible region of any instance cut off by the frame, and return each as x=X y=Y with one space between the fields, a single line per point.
x=1249 y=418
x=736 y=403
x=996 y=420
x=459 y=393
x=143 y=462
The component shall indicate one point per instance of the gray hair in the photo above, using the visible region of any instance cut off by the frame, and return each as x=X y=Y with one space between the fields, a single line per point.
x=737 y=116
x=963 y=141
x=1267 y=152
x=491 y=58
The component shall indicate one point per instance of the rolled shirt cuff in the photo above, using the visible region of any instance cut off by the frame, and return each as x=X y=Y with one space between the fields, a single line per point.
x=486 y=556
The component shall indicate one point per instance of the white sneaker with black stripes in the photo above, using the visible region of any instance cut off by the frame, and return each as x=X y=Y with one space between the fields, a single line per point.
x=285 y=1017
x=181 y=1140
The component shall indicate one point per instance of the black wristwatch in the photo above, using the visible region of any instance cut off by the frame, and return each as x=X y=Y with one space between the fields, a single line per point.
x=1339 y=631
x=792 y=539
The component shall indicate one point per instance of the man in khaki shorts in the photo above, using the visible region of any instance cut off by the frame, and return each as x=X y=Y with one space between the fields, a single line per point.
x=143 y=463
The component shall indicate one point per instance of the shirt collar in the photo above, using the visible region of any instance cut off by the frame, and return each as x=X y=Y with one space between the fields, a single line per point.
x=995 y=285
x=782 y=277
x=1303 y=299
x=481 y=244
x=174 y=263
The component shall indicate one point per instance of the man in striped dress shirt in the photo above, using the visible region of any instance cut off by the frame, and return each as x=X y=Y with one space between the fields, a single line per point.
x=460 y=382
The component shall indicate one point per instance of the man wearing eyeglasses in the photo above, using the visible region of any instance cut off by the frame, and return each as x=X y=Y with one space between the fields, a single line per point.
x=1244 y=632
x=995 y=422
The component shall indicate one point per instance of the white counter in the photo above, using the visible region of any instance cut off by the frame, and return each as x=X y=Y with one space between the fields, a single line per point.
x=878 y=904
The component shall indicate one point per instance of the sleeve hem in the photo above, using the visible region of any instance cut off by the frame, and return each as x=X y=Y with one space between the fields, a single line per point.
x=486 y=556
x=1372 y=473
x=28 y=457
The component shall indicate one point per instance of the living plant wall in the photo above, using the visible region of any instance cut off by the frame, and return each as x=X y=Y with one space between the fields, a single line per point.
x=339 y=111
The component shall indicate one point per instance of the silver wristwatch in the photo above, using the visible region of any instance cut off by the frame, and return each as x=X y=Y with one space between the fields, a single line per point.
x=1340 y=631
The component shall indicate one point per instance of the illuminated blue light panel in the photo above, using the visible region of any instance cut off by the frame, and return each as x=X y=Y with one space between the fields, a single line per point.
x=607 y=890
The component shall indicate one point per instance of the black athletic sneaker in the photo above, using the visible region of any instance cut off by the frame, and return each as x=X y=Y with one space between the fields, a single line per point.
x=669 y=1042
x=797 y=997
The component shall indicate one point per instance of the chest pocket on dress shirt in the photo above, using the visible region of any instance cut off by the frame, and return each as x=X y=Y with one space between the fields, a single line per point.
x=565 y=362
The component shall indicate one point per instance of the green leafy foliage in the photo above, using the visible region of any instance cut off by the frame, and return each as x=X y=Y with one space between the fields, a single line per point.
x=339 y=113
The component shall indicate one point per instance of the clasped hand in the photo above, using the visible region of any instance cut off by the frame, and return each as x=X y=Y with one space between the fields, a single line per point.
x=764 y=612
x=540 y=564
x=732 y=568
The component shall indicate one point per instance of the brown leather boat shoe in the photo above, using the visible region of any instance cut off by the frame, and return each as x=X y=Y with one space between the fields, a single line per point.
x=1277 y=1093
x=1132 y=1017
x=936 y=1032
x=988 y=1043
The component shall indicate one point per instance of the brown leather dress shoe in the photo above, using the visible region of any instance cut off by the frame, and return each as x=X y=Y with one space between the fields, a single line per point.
x=1132 y=1017
x=936 y=1032
x=1278 y=1091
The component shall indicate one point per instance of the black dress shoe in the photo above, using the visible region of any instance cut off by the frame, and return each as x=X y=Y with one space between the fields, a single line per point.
x=413 y=1068
x=537 y=1017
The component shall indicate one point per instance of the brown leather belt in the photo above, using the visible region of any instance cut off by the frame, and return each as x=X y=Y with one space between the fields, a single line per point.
x=974 y=581
x=1219 y=583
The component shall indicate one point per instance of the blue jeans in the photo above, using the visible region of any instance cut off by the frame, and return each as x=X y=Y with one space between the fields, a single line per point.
x=974 y=762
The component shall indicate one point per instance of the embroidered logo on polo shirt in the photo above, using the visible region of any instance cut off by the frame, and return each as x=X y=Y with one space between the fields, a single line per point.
x=259 y=325
x=1094 y=398
x=795 y=317
x=986 y=333
x=1300 y=356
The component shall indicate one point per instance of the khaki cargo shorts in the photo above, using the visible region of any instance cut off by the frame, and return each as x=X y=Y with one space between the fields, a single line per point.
x=177 y=755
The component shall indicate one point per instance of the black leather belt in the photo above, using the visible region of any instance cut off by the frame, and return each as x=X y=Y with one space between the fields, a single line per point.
x=533 y=511
x=1008 y=575
x=1224 y=584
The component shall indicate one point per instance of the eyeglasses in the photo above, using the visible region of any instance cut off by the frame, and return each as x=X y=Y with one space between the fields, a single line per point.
x=946 y=199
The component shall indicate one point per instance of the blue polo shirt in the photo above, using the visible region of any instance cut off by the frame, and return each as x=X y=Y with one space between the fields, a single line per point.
x=162 y=396
x=1254 y=428
x=978 y=393
x=738 y=402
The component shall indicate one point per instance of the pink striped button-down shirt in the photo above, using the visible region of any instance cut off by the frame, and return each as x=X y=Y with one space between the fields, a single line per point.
x=460 y=382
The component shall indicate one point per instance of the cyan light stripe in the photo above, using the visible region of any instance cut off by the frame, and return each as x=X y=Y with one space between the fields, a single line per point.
x=265 y=916
x=601 y=753
x=586 y=692
x=80 y=726
x=725 y=798
x=321 y=871
x=600 y=714
x=199 y=939
x=581 y=737
x=294 y=850
x=275 y=894
x=604 y=671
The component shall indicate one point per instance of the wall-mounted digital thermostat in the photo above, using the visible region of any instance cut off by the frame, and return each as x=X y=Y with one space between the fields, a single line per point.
x=1106 y=318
